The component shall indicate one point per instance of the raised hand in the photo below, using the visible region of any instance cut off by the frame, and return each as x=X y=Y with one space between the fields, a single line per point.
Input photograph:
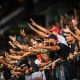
x=13 y=38
x=66 y=30
x=74 y=23
x=70 y=57
x=12 y=44
x=30 y=26
x=33 y=22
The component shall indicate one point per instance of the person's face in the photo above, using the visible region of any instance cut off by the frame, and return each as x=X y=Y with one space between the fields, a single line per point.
x=45 y=57
x=53 y=41
x=35 y=43
x=46 y=41
x=69 y=38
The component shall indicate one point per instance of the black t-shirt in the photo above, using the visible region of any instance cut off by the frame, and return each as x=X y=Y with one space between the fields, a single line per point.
x=53 y=55
x=63 y=52
x=32 y=59
x=23 y=62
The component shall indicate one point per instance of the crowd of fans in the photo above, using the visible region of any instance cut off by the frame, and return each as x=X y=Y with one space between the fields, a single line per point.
x=51 y=54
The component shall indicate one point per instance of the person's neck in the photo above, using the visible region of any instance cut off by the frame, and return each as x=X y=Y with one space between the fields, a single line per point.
x=71 y=42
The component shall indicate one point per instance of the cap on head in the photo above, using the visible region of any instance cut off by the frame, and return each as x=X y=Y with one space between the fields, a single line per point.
x=55 y=28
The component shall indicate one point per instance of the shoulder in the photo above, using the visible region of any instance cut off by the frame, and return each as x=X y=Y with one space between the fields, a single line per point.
x=61 y=45
x=61 y=39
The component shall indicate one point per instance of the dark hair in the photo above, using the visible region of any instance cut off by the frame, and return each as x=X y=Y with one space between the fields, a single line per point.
x=52 y=36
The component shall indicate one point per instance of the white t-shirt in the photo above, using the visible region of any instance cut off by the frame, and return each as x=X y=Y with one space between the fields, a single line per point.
x=61 y=39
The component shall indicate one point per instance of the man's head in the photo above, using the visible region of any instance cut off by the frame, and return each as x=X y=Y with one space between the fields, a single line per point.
x=69 y=38
x=52 y=39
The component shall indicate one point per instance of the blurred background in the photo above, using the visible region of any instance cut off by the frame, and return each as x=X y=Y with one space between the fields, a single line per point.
x=15 y=14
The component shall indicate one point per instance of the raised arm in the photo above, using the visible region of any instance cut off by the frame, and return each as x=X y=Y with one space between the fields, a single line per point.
x=42 y=34
x=67 y=30
x=39 y=27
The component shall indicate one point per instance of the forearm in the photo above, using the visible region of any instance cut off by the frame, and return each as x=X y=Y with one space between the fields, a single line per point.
x=19 y=46
x=42 y=34
x=77 y=31
x=16 y=72
x=22 y=47
x=45 y=63
x=76 y=54
x=76 y=37
x=57 y=60
x=42 y=29
x=50 y=64
x=52 y=48
x=12 y=44
x=16 y=57
x=26 y=54
x=20 y=70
